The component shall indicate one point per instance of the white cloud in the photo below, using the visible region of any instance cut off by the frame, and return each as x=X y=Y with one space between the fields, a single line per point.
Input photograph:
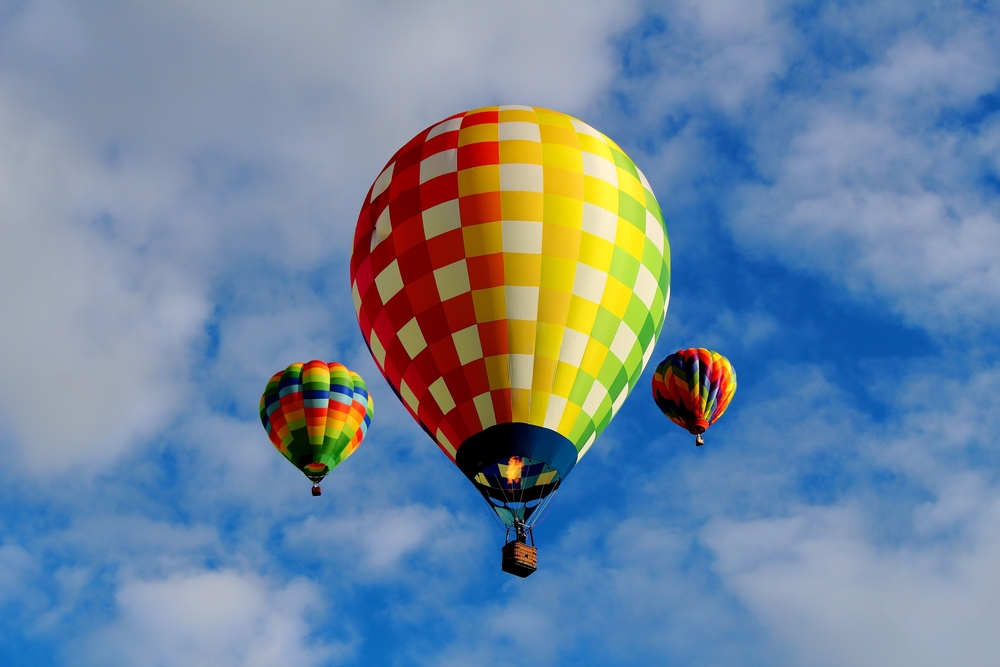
x=391 y=542
x=168 y=158
x=893 y=562
x=718 y=328
x=719 y=53
x=156 y=153
x=221 y=618
x=619 y=590
x=16 y=567
x=307 y=99
x=95 y=339
x=825 y=587
x=840 y=143
x=832 y=539
x=886 y=212
x=378 y=58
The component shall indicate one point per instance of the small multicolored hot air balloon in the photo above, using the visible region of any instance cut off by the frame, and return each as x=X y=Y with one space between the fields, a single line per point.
x=511 y=273
x=316 y=415
x=693 y=388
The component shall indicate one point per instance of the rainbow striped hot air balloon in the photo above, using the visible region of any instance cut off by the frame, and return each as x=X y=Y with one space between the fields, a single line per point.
x=511 y=272
x=316 y=415
x=693 y=388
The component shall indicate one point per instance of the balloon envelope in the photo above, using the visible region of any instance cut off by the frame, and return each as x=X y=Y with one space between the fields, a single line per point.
x=694 y=387
x=511 y=272
x=316 y=415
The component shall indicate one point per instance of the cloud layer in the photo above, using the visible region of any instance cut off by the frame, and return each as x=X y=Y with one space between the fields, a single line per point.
x=178 y=183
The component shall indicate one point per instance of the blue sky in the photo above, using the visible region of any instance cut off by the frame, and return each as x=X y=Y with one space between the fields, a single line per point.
x=179 y=182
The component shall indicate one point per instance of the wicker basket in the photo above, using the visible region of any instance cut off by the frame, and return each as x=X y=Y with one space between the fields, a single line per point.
x=519 y=559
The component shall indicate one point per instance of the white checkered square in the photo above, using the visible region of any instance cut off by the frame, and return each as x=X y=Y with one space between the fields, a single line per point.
x=389 y=282
x=445 y=162
x=589 y=283
x=521 y=368
x=409 y=398
x=382 y=228
x=554 y=411
x=522 y=236
x=441 y=218
x=646 y=287
x=382 y=182
x=574 y=344
x=648 y=352
x=654 y=232
x=521 y=177
x=357 y=297
x=484 y=408
x=467 y=344
x=446 y=443
x=412 y=338
x=600 y=167
x=598 y=393
x=452 y=125
x=623 y=342
x=442 y=396
x=642 y=179
x=519 y=130
x=522 y=302
x=583 y=128
x=617 y=405
x=452 y=280
x=378 y=350
x=600 y=221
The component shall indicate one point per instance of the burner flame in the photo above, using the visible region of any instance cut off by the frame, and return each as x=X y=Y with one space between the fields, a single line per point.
x=514 y=467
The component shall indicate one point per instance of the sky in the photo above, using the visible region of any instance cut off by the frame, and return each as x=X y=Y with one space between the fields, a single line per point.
x=179 y=184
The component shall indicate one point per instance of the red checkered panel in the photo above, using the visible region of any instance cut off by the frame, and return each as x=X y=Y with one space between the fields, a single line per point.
x=510 y=265
x=404 y=305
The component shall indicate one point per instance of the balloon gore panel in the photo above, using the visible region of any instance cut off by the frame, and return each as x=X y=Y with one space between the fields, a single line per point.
x=511 y=266
x=316 y=415
x=694 y=387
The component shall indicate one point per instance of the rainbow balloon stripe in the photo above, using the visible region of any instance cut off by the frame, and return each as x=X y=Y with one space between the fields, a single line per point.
x=316 y=415
x=693 y=387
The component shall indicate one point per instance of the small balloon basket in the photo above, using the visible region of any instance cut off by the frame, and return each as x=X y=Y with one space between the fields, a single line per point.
x=519 y=557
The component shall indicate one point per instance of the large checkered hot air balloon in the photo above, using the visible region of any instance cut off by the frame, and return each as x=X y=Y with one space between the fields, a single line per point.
x=511 y=273
x=316 y=415
x=693 y=388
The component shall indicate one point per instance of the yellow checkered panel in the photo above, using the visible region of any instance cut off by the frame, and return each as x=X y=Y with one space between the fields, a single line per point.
x=511 y=265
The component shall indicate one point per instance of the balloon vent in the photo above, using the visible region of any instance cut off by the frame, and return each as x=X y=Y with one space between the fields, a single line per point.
x=519 y=559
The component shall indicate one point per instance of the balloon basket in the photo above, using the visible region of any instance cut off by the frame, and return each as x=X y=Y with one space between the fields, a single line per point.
x=316 y=490
x=519 y=559
x=699 y=441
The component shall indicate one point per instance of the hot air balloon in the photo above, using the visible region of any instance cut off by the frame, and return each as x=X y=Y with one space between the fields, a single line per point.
x=316 y=414
x=511 y=273
x=693 y=388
